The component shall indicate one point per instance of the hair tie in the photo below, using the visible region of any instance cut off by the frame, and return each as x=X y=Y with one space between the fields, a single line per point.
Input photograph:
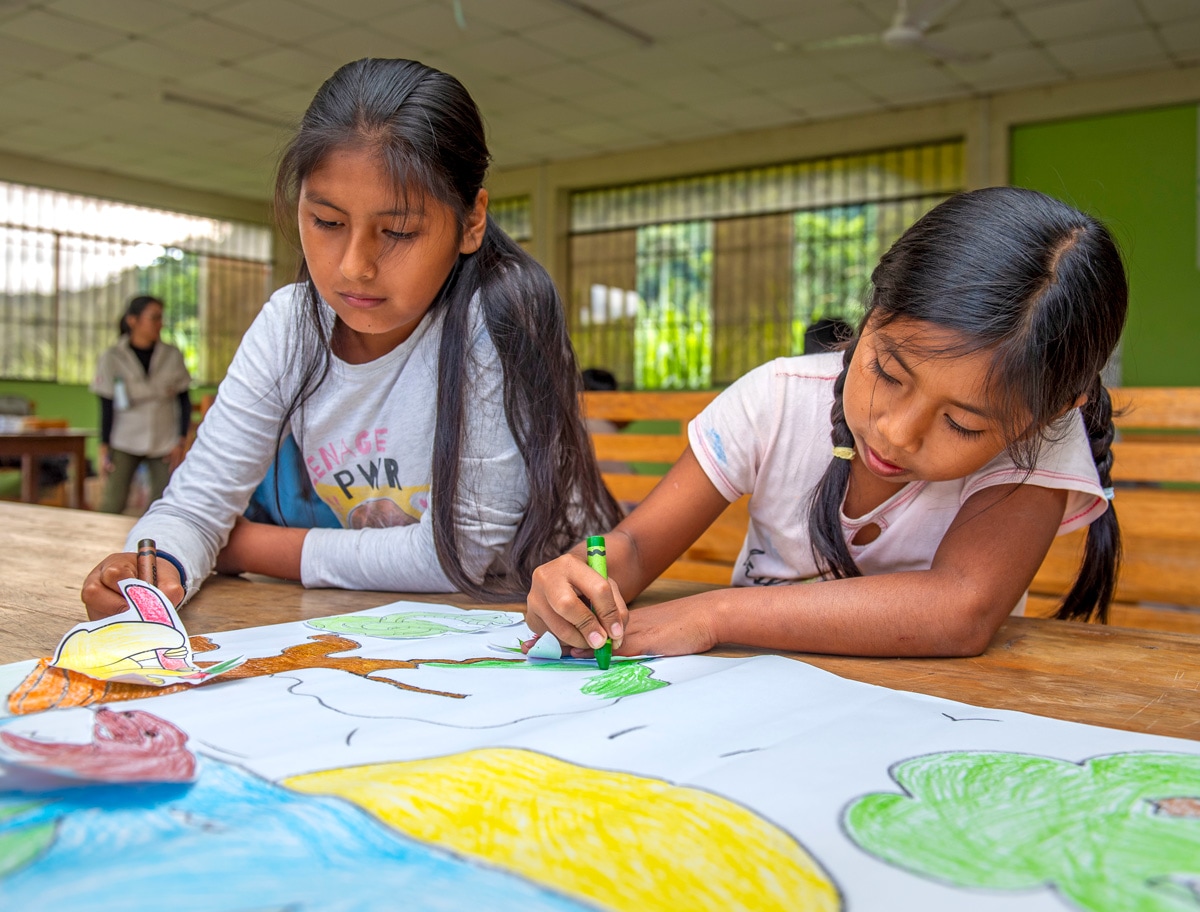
x=1107 y=492
x=846 y=453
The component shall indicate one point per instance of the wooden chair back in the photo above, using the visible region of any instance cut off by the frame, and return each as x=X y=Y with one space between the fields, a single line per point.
x=1156 y=475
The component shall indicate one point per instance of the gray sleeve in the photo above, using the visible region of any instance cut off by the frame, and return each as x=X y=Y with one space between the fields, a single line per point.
x=493 y=494
x=234 y=444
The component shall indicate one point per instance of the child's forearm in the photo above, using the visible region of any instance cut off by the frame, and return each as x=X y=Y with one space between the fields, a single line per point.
x=918 y=613
x=261 y=548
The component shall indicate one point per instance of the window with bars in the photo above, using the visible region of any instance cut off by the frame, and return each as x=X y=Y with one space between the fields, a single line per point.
x=69 y=265
x=691 y=282
x=515 y=215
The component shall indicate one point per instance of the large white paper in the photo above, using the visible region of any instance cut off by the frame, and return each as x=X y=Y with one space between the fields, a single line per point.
x=392 y=759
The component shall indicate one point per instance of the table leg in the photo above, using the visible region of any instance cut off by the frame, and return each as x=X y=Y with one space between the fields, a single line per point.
x=29 y=478
x=78 y=471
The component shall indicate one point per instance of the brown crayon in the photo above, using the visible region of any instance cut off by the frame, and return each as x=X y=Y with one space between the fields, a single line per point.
x=147 y=562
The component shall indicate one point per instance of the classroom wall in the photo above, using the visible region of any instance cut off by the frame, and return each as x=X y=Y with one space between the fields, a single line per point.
x=1137 y=171
x=986 y=124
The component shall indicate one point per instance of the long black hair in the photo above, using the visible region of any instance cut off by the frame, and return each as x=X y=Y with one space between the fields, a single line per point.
x=428 y=134
x=1040 y=286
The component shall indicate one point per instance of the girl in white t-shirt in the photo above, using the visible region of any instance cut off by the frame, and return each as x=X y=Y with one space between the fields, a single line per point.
x=420 y=363
x=915 y=481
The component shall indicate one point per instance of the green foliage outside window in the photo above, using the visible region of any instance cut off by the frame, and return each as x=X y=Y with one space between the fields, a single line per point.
x=673 y=336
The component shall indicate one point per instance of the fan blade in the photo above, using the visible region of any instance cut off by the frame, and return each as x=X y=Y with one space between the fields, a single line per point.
x=922 y=14
x=946 y=53
x=844 y=41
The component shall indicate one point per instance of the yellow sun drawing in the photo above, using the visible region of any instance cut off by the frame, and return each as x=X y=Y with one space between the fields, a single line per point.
x=618 y=840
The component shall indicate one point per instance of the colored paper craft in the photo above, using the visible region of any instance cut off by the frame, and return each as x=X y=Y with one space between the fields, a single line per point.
x=144 y=644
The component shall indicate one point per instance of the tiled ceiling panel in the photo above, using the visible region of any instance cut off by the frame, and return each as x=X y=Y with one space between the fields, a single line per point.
x=201 y=93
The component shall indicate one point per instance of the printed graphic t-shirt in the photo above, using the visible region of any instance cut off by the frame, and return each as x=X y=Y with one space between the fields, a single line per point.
x=768 y=436
x=366 y=438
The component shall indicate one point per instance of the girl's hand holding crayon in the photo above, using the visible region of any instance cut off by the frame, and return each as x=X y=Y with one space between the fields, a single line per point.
x=101 y=593
x=559 y=598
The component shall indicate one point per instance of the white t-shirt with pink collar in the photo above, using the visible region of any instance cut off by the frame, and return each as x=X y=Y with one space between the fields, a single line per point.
x=768 y=436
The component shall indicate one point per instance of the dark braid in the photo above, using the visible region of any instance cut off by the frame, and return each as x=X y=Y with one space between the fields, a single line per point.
x=1097 y=580
x=829 y=547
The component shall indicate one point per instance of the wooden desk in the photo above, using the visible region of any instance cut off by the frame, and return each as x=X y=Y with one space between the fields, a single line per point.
x=30 y=445
x=1137 y=680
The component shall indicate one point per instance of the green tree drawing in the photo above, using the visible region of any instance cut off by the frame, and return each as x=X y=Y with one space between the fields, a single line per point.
x=1115 y=832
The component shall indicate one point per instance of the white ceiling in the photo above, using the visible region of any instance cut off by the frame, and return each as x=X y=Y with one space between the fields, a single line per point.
x=199 y=93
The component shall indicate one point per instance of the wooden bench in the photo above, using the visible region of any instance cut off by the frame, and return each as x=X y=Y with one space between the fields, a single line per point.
x=1156 y=474
x=1156 y=477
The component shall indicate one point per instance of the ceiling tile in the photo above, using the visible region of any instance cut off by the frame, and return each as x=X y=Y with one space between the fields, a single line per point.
x=722 y=49
x=359 y=41
x=566 y=81
x=544 y=115
x=60 y=33
x=750 y=112
x=365 y=12
x=60 y=96
x=211 y=39
x=1121 y=52
x=509 y=55
x=1161 y=11
x=232 y=84
x=1014 y=69
x=153 y=60
x=822 y=22
x=281 y=20
x=915 y=84
x=500 y=96
x=671 y=19
x=579 y=38
x=516 y=15
x=432 y=26
x=296 y=67
x=983 y=36
x=1077 y=18
x=638 y=65
x=618 y=102
x=93 y=73
x=823 y=97
x=601 y=134
x=134 y=17
x=1183 y=40
x=27 y=57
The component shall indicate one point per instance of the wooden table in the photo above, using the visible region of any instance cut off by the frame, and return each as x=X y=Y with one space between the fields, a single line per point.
x=1138 y=680
x=31 y=445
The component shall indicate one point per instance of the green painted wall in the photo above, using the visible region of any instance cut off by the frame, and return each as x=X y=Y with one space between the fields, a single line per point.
x=1137 y=172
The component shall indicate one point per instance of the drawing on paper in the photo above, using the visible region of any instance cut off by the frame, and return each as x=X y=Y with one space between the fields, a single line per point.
x=1112 y=832
x=340 y=769
x=412 y=625
x=133 y=746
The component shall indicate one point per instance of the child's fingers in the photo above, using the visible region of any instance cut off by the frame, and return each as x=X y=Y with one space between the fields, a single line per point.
x=100 y=594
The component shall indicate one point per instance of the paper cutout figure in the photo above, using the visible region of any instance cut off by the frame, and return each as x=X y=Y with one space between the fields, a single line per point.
x=133 y=746
x=145 y=644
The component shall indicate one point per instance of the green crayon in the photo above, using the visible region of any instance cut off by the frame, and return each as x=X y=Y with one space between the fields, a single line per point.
x=597 y=559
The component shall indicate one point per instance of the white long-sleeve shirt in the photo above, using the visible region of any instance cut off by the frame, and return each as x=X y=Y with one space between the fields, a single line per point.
x=366 y=436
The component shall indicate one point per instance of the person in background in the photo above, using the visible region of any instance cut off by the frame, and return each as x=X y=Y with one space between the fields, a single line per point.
x=145 y=411
x=826 y=335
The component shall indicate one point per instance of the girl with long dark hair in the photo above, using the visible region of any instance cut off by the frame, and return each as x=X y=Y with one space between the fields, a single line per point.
x=420 y=363
x=915 y=480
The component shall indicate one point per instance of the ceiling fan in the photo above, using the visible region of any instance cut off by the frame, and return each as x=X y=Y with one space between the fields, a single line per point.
x=909 y=30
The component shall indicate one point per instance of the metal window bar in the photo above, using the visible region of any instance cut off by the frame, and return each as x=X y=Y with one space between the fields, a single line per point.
x=755 y=256
x=63 y=287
